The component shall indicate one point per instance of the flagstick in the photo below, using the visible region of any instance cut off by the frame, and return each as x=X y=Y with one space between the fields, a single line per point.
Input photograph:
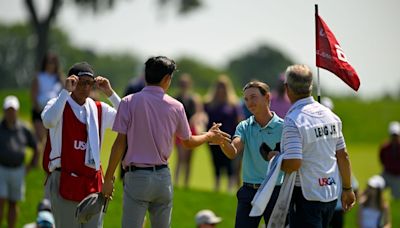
x=316 y=40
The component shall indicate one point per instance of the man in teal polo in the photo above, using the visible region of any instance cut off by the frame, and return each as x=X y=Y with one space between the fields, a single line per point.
x=258 y=138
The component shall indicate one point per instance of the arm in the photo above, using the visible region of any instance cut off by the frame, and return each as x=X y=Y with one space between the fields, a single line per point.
x=348 y=197
x=117 y=151
x=212 y=135
x=292 y=147
x=34 y=93
x=54 y=109
x=231 y=150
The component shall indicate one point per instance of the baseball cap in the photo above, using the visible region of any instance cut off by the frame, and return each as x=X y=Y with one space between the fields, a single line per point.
x=207 y=217
x=45 y=219
x=11 y=102
x=376 y=181
x=81 y=69
x=394 y=128
x=44 y=205
x=91 y=205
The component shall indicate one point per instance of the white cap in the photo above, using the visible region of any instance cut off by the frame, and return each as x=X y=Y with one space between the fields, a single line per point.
x=11 y=102
x=327 y=102
x=376 y=181
x=394 y=128
x=45 y=218
x=207 y=217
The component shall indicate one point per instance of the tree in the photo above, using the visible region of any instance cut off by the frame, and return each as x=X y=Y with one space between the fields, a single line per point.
x=263 y=63
x=41 y=26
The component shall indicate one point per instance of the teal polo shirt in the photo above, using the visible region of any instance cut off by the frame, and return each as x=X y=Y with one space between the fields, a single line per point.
x=254 y=167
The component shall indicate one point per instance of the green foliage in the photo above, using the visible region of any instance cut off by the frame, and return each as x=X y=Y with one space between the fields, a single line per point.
x=264 y=63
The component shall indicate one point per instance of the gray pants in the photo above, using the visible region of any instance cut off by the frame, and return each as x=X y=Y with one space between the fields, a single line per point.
x=393 y=182
x=147 y=190
x=64 y=210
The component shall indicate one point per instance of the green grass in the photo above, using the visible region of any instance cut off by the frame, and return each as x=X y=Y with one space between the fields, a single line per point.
x=365 y=127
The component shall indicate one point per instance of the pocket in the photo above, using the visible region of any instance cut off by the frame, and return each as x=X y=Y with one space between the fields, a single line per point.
x=75 y=188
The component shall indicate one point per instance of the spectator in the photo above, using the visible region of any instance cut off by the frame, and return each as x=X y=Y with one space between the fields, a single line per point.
x=46 y=84
x=280 y=102
x=191 y=103
x=146 y=123
x=14 y=138
x=76 y=126
x=207 y=219
x=390 y=159
x=222 y=106
x=373 y=210
x=44 y=218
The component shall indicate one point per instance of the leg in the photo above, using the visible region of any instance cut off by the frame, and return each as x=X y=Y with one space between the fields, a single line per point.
x=271 y=204
x=179 y=164
x=245 y=196
x=216 y=156
x=2 y=203
x=161 y=206
x=12 y=214
x=187 y=162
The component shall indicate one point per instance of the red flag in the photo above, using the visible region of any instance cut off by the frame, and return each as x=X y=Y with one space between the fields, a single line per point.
x=330 y=55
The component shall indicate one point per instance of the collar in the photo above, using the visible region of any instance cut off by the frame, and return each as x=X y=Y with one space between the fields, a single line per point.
x=75 y=105
x=271 y=124
x=154 y=89
x=301 y=102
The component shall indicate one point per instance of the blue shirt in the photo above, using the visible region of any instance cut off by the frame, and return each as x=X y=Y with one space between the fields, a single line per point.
x=254 y=167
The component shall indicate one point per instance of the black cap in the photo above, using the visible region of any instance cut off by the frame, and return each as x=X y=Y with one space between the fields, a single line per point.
x=81 y=69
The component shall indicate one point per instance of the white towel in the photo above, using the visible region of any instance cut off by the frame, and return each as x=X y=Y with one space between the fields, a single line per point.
x=281 y=208
x=264 y=193
x=92 y=156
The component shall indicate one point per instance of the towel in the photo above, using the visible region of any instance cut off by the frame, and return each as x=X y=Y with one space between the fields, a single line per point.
x=92 y=155
x=263 y=195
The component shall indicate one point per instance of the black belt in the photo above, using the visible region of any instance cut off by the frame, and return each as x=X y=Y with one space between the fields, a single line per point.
x=58 y=169
x=151 y=168
x=250 y=185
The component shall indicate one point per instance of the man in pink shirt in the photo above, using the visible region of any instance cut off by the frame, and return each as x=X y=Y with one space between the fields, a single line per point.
x=146 y=123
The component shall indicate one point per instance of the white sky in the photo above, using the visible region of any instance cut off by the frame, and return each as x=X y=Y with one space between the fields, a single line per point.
x=367 y=30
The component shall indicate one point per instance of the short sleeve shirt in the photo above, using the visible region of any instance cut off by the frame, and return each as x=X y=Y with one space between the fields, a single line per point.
x=254 y=167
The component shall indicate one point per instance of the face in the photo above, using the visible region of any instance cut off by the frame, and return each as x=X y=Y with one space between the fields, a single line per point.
x=51 y=65
x=254 y=100
x=84 y=87
x=10 y=115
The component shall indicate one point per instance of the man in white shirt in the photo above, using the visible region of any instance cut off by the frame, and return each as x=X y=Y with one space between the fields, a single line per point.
x=76 y=126
x=314 y=146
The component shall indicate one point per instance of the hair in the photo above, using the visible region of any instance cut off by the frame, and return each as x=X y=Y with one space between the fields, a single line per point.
x=373 y=197
x=157 y=67
x=231 y=97
x=52 y=57
x=299 y=79
x=261 y=86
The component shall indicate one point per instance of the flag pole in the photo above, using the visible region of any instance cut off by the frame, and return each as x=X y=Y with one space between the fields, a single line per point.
x=316 y=40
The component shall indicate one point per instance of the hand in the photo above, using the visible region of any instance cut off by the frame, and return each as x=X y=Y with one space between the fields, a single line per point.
x=71 y=82
x=348 y=200
x=104 y=85
x=271 y=154
x=108 y=189
x=217 y=136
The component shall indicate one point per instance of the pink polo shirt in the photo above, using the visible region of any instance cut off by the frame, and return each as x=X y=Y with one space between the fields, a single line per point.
x=150 y=119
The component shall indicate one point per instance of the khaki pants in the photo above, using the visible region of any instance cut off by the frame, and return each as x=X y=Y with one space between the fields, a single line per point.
x=64 y=210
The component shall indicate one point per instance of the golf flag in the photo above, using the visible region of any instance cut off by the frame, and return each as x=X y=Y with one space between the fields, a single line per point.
x=330 y=56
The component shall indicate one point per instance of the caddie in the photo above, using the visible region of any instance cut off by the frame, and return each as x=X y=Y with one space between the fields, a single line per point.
x=76 y=126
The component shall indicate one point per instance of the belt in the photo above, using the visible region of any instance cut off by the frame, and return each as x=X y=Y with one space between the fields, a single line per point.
x=151 y=168
x=250 y=185
x=58 y=169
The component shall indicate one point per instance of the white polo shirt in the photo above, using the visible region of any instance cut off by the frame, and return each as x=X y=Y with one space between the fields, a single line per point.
x=313 y=133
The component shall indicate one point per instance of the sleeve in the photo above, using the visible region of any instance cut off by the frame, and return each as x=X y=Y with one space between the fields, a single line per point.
x=291 y=140
x=52 y=112
x=122 y=118
x=239 y=132
x=340 y=144
x=183 y=128
x=109 y=112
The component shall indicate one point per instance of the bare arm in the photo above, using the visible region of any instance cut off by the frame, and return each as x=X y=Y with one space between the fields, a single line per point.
x=290 y=165
x=34 y=93
x=117 y=151
x=213 y=135
x=231 y=150
x=348 y=196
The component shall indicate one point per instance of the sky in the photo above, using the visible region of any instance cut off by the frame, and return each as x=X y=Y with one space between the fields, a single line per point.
x=367 y=30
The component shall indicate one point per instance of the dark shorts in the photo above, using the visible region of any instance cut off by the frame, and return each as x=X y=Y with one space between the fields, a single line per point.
x=305 y=213
x=245 y=195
